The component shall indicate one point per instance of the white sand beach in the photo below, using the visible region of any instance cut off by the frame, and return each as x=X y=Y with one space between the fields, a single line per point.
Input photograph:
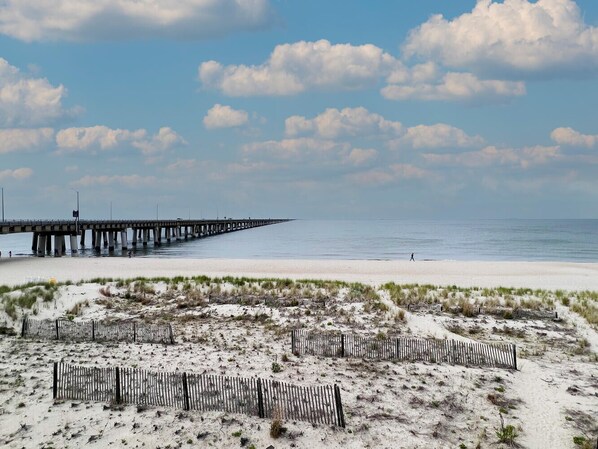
x=546 y=275
x=551 y=399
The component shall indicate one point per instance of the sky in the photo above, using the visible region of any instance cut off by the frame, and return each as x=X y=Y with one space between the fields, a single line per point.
x=299 y=109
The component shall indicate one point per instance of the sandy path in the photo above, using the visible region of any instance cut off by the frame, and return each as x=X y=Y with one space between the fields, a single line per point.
x=548 y=275
x=542 y=413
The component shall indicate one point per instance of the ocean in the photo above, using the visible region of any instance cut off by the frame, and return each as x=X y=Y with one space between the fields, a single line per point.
x=494 y=240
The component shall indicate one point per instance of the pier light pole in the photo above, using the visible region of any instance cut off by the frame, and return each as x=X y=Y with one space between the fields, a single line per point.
x=110 y=210
x=76 y=212
x=2 y=203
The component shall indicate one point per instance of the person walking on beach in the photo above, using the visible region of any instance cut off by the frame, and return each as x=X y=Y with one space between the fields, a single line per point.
x=412 y=258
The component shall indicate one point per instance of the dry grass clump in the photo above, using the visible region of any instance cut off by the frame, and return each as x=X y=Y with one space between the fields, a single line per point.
x=193 y=298
x=276 y=427
x=586 y=309
x=144 y=288
x=77 y=309
x=105 y=291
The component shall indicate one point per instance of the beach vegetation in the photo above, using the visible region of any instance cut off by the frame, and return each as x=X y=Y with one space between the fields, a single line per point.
x=400 y=315
x=276 y=368
x=276 y=427
x=105 y=291
x=506 y=434
x=582 y=442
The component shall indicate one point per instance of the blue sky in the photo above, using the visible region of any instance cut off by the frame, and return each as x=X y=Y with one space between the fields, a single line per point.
x=306 y=109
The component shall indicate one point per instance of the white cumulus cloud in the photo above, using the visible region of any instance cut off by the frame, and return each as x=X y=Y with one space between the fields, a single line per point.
x=220 y=116
x=164 y=140
x=27 y=101
x=571 y=137
x=512 y=37
x=524 y=157
x=99 y=137
x=293 y=148
x=359 y=156
x=439 y=135
x=16 y=174
x=18 y=139
x=394 y=173
x=95 y=137
x=301 y=66
x=359 y=122
x=333 y=123
x=85 y=20
x=455 y=86
x=106 y=180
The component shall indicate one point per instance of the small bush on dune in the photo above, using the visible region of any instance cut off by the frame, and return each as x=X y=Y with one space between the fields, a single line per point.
x=276 y=428
x=506 y=434
x=105 y=291
x=582 y=442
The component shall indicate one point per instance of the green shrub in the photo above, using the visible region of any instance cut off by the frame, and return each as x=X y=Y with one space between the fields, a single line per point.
x=507 y=434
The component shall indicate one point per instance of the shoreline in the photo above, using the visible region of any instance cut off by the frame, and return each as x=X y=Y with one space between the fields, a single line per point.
x=537 y=275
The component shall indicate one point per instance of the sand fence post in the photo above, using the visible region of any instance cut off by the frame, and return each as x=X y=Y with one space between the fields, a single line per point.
x=293 y=341
x=171 y=334
x=93 y=330
x=260 y=399
x=55 y=381
x=339 y=406
x=57 y=334
x=186 y=391
x=24 y=326
x=514 y=356
x=117 y=390
x=342 y=345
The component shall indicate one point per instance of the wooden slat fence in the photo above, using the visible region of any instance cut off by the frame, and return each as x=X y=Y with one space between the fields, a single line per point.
x=500 y=312
x=130 y=331
x=255 y=397
x=497 y=355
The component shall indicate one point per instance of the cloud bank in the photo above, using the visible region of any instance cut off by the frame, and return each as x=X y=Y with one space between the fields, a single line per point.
x=94 y=138
x=85 y=20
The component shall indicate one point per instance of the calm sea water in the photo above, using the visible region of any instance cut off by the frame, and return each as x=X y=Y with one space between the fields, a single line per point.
x=556 y=240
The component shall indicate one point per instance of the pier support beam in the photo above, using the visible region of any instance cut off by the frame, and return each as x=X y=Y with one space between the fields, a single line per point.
x=74 y=248
x=168 y=235
x=82 y=241
x=105 y=236
x=34 y=241
x=156 y=236
x=41 y=245
x=145 y=236
x=58 y=245
x=123 y=240
x=134 y=242
x=98 y=242
x=49 y=244
x=110 y=241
